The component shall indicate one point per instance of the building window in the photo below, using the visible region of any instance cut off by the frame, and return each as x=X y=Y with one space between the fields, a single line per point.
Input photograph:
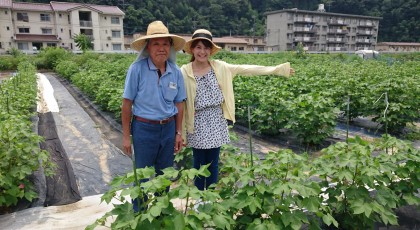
x=24 y=30
x=116 y=33
x=116 y=46
x=255 y=41
x=59 y=15
x=1 y=46
x=51 y=44
x=45 y=17
x=115 y=20
x=61 y=30
x=8 y=28
x=46 y=31
x=22 y=17
x=23 y=46
x=241 y=48
x=232 y=48
x=290 y=26
x=105 y=18
x=5 y=12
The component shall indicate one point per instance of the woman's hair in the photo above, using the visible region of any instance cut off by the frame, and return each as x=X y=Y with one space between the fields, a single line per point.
x=205 y=42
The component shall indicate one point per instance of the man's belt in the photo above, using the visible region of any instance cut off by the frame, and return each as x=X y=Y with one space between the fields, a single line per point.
x=156 y=122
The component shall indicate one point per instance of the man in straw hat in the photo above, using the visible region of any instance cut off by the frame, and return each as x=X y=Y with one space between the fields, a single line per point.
x=152 y=108
x=209 y=86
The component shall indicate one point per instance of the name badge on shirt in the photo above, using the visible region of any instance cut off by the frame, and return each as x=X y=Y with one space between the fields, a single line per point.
x=172 y=85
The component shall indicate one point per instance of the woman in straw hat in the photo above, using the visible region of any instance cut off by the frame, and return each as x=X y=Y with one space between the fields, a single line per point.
x=152 y=108
x=210 y=100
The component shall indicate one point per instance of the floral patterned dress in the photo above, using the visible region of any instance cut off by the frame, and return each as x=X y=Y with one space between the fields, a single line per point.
x=210 y=127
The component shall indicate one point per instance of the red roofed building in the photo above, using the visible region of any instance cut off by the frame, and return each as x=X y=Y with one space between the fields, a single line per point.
x=32 y=26
x=245 y=44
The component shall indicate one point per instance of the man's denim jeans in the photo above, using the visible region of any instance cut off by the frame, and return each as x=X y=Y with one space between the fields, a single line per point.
x=153 y=146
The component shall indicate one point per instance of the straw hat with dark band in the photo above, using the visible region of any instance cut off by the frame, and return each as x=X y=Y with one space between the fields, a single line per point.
x=157 y=29
x=202 y=34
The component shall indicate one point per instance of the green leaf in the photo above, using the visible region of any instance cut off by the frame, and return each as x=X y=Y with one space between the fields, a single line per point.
x=389 y=218
x=328 y=220
x=155 y=211
x=220 y=222
x=311 y=203
x=179 y=221
x=411 y=199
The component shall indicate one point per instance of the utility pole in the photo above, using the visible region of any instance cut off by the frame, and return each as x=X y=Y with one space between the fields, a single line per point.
x=253 y=33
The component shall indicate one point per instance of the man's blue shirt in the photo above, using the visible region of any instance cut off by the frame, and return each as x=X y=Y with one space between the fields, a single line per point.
x=154 y=98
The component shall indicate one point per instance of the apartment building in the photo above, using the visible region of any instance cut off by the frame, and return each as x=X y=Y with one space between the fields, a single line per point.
x=320 y=31
x=32 y=26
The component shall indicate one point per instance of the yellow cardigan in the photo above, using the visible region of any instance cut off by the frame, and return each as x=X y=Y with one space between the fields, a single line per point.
x=225 y=73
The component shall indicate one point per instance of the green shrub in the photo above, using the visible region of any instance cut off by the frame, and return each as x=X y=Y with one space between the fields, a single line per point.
x=67 y=68
x=351 y=186
x=50 y=56
x=313 y=118
x=19 y=147
x=15 y=52
x=365 y=183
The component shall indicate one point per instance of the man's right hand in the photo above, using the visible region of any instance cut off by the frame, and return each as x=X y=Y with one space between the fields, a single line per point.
x=126 y=124
x=127 y=146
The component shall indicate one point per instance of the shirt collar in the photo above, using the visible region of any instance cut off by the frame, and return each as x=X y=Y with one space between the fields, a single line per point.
x=152 y=66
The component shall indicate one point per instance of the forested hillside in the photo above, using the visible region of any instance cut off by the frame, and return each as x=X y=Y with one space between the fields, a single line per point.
x=400 y=23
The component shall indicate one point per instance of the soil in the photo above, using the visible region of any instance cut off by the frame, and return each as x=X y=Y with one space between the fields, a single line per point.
x=112 y=129
x=5 y=75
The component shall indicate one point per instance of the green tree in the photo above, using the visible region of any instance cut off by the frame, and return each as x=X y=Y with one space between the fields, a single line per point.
x=83 y=42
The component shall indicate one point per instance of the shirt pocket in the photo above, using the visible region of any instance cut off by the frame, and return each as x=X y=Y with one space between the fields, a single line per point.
x=170 y=91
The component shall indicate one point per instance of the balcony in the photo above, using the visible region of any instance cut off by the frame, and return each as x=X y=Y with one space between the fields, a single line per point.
x=336 y=49
x=305 y=29
x=339 y=22
x=368 y=41
x=337 y=40
x=305 y=39
x=309 y=48
x=304 y=19
x=364 y=32
x=337 y=31
x=367 y=24
x=85 y=23
x=87 y=35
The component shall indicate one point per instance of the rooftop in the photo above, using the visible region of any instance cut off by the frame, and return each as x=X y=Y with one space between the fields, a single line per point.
x=399 y=43
x=321 y=13
x=59 y=6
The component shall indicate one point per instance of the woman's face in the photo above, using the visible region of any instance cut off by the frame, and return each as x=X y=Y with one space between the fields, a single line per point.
x=201 y=52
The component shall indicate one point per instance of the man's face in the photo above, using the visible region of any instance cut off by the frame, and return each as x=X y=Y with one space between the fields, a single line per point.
x=159 y=49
